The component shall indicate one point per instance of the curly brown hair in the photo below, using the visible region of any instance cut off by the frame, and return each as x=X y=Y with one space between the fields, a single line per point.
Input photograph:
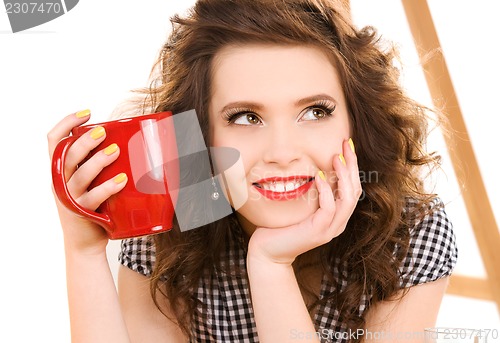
x=388 y=127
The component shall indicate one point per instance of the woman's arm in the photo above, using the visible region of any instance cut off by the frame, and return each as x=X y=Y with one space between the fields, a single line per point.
x=404 y=319
x=279 y=308
x=95 y=311
x=144 y=320
x=280 y=311
x=95 y=314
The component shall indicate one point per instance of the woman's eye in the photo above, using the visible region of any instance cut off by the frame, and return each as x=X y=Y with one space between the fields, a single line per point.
x=316 y=113
x=247 y=119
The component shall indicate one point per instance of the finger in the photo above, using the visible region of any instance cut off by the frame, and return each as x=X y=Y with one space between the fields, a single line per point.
x=342 y=174
x=64 y=127
x=97 y=195
x=351 y=159
x=348 y=187
x=347 y=171
x=82 y=147
x=323 y=216
x=88 y=171
x=314 y=231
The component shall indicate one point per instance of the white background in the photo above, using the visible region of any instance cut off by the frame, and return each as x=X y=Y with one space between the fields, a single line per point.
x=92 y=56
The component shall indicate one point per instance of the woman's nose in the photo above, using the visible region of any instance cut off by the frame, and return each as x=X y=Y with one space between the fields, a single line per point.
x=282 y=146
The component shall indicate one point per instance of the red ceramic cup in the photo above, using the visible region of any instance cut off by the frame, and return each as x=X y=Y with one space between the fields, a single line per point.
x=148 y=155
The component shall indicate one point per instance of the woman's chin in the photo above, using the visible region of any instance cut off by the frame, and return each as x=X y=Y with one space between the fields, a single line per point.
x=279 y=218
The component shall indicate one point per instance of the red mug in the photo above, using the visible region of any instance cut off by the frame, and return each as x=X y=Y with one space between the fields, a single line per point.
x=149 y=157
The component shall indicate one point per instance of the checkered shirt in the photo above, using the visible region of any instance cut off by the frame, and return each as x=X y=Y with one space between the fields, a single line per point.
x=432 y=255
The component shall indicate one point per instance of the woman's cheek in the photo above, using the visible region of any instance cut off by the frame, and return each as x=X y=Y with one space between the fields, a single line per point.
x=235 y=184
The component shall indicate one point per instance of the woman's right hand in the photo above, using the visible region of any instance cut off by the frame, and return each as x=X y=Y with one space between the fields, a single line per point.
x=80 y=234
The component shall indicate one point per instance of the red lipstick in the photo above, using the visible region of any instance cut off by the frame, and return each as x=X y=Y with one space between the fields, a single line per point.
x=274 y=188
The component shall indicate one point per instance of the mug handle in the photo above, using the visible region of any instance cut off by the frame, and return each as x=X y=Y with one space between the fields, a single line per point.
x=61 y=188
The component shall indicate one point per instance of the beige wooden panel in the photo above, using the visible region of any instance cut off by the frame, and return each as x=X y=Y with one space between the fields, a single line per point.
x=461 y=153
x=470 y=287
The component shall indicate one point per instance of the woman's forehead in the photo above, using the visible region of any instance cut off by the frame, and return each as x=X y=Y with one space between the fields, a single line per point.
x=273 y=72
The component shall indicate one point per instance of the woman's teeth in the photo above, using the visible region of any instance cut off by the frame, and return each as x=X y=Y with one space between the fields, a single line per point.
x=278 y=186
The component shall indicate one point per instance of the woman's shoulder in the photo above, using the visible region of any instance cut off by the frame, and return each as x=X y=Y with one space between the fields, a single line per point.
x=432 y=252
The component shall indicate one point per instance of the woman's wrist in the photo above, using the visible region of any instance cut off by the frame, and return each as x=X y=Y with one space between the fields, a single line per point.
x=86 y=253
x=260 y=259
x=259 y=256
x=262 y=269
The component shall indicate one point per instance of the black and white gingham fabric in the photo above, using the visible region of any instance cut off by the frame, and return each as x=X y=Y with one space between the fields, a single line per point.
x=433 y=251
x=433 y=254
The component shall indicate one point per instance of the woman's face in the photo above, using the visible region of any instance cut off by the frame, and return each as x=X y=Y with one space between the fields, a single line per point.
x=283 y=109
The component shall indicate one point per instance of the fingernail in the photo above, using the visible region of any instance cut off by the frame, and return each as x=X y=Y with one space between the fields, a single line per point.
x=322 y=175
x=82 y=114
x=342 y=159
x=97 y=132
x=120 y=178
x=111 y=149
x=351 y=144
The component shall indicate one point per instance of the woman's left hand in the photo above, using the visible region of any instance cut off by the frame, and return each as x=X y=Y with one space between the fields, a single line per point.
x=283 y=245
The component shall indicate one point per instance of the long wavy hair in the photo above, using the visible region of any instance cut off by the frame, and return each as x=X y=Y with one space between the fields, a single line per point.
x=388 y=127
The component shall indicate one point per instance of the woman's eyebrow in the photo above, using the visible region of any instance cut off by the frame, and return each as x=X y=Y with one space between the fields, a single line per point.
x=314 y=98
x=242 y=104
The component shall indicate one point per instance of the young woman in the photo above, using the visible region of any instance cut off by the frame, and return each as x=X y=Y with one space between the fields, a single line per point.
x=337 y=240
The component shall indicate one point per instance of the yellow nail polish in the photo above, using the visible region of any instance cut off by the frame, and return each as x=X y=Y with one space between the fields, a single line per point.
x=120 y=178
x=97 y=132
x=351 y=144
x=322 y=175
x=111 y=149
x=82 y=114
x=342 y=159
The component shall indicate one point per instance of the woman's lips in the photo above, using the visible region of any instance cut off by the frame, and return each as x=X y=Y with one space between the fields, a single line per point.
x=284 y=188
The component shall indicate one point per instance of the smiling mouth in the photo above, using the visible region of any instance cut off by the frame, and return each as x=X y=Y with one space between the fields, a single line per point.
x=283 y=186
